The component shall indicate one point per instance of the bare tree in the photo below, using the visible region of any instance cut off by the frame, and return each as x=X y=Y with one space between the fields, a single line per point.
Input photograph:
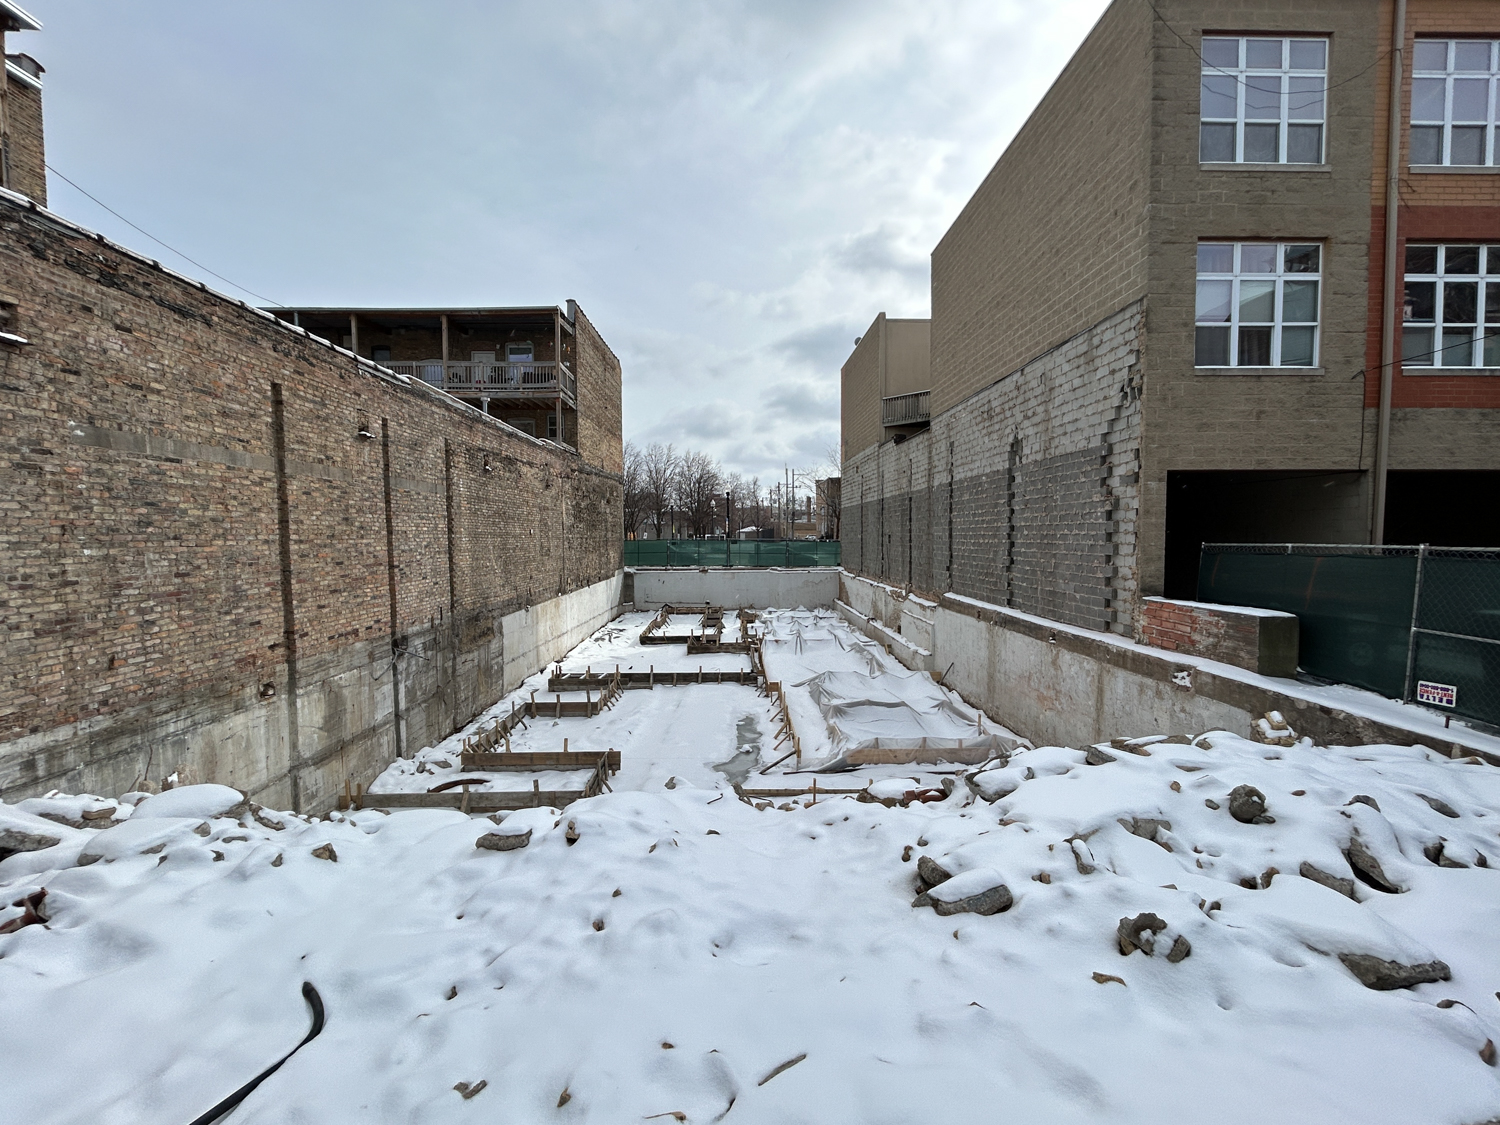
x=659 y=464
x=699 y=481
x=637 y=500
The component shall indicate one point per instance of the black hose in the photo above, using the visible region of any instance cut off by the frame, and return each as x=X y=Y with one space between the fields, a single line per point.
x=315 y=1002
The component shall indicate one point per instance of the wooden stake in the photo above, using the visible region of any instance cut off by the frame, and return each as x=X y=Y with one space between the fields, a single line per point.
x=565 y=746
x=536 y=793
x=507 y=742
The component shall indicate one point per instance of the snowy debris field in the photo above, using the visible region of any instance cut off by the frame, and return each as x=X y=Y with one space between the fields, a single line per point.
x=1144 y=931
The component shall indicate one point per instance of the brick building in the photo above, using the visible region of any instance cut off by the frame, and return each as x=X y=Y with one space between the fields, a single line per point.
x=1165 y=317
x=234 y=548
x=22 y=155
x=530 y=367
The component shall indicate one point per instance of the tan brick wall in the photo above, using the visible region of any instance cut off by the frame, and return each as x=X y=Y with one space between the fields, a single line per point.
x=1312 y=420
x=860 y=381
x=28 y=171
x=155 y=438
x=1054 y=239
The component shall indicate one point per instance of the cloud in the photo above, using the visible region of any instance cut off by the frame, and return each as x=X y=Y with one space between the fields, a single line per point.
x=732 y=191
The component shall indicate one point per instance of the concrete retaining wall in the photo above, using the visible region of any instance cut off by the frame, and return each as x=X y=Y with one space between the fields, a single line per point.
x=736 y=587
x=1060 y=685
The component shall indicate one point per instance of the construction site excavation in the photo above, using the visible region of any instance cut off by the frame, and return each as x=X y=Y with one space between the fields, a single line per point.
x=720 y=864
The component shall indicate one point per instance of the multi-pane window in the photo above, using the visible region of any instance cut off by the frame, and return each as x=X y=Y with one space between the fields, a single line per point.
x=1263 y=101
x=1452 y=308
x=1257 y=304
x=1454 y=102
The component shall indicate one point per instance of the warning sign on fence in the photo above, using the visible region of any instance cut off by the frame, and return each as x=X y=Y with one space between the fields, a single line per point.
x=1440 y=695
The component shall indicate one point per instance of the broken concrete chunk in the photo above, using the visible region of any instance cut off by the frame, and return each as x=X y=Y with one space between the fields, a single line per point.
x=1082 y=857
x=1138 y=933
x=1211 y=803
x=931 y=872
x=503 y=841
x=1368 y=868
x=1434 y=854
x=1094 y=756
x=467 y=1091
x=994 y=900
x=13 y=840
x=326 y=852
x=1180 y=950
x=32 y=912
x=1363 y=799
x=1246 y=803
x=1146 y=827
x=1344 y=887
x=1439 y=805
x=1385 y=975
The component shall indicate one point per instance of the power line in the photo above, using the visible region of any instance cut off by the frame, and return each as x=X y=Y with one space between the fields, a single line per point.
x=159 y=242
x=1240 y=81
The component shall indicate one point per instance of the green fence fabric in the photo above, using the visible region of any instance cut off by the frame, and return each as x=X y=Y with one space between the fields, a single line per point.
x=732 y=552
x=1364 y=612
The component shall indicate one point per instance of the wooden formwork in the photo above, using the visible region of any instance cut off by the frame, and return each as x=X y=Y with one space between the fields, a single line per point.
x=535 y=760
x=710 y=621
x=582 y=681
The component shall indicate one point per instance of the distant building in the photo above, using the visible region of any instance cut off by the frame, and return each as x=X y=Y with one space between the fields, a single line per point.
x=533 y=368
x=1173 y=313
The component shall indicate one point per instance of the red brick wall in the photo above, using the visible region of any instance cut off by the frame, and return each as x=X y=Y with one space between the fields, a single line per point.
x=142 y=547
x=1179 y=627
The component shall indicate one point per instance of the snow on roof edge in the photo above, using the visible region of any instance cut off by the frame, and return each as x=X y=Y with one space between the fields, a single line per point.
x=21 y=16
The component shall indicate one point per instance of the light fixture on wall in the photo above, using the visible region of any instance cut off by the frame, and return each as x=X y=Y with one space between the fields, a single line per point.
x=487 y=466
x=364 y=433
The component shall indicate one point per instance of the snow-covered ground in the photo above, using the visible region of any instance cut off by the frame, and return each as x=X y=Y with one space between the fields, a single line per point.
x=663 y=954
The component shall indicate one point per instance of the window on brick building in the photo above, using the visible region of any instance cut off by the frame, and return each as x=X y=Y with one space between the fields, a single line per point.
x=1454 y=90
x=1257 y=304
x=1451 y=313
x=1262 y=101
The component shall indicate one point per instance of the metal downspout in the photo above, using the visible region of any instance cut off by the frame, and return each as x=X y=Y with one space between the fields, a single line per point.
x=1392 y=272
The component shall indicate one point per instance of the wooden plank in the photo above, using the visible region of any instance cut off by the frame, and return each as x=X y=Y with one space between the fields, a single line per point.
x=533 y=760
x=478 y=802
x=777 y=794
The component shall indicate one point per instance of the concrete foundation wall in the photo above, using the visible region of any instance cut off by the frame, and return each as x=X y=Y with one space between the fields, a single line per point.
x=1057 y=685
x=736 y=587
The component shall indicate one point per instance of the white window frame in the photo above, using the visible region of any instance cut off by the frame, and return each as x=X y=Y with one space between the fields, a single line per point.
x=529 y=357
x=1485 y=338
x=1490 y=156
x=1240 y=73
x=1236 y=277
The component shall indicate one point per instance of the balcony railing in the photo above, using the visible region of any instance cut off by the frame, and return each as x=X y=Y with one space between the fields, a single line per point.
x=906 y=410
x=496 y=380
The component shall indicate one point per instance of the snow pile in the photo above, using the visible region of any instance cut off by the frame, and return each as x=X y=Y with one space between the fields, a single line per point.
x=1101 y=942
x=846 y=694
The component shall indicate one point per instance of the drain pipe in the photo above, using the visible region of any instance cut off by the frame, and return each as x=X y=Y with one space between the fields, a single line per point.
x=1392 y=272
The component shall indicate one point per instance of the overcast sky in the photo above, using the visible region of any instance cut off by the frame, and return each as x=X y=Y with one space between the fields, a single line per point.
x=731 y=190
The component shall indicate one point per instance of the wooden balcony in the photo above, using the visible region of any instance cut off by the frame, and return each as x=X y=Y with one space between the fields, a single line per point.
x=524 y=381
x=906 y=410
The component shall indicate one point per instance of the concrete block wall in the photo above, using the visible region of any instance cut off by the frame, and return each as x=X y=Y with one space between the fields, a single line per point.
x=1024 y=494
x=208 y=567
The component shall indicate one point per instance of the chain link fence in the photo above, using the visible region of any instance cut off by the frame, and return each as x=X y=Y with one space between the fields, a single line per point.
x=732 y=552
x=1419 y=624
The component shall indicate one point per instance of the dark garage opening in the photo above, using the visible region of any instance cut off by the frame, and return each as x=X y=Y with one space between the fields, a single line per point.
x=1257 y=506
x=1443 y=508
